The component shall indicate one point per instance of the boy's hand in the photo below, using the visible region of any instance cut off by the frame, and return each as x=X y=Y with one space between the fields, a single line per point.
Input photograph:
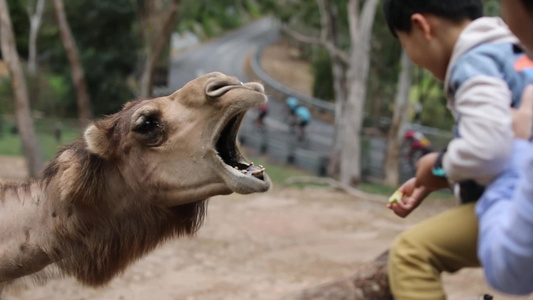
x=412 y=197
x=424 y=174
x=523 y=117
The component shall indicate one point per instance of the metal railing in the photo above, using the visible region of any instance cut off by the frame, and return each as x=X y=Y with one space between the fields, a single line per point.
x=274 y=84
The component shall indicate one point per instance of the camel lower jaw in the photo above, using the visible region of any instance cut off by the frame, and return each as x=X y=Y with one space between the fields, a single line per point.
x=248 y=183
x=253 y=179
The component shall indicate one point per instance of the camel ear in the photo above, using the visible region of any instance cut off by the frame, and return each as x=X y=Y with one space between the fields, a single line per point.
x=97 y=141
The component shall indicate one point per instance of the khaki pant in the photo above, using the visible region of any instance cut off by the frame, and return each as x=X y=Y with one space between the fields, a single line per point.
x=444 y=243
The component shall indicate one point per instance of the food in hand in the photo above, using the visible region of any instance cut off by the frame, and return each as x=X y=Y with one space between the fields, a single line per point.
x=397 y=196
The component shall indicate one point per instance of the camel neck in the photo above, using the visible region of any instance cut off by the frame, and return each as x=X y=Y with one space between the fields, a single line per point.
x=23 y=222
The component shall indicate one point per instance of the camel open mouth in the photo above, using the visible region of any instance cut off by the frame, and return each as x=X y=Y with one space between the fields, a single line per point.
x=241 y=175
x=228 y=151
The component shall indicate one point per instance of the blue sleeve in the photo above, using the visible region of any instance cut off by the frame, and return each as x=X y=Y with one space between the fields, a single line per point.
x=505 y=212
x=484 y=61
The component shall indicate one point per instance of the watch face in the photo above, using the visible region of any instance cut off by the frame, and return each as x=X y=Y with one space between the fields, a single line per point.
x=438 y=172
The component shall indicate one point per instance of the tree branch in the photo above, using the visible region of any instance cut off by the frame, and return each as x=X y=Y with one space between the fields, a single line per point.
x=343 y=56
x=155 y=48
x=324 y=21
x=35 y=15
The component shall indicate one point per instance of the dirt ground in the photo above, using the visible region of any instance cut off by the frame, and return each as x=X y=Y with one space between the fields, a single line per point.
x=262 y=246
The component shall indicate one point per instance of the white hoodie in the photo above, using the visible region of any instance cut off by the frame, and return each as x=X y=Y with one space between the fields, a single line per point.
x=479 y=84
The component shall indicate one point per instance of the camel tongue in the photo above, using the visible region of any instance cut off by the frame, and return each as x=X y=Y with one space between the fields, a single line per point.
x=255 y=171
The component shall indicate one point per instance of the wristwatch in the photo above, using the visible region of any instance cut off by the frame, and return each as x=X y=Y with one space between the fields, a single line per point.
x=437 y=169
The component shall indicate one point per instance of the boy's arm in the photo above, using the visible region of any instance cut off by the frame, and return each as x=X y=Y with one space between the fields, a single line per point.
x=482 y=102
x=505 y=215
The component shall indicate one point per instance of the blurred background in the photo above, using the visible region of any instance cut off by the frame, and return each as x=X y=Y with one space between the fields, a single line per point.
x=344 y=101
x=344 y=104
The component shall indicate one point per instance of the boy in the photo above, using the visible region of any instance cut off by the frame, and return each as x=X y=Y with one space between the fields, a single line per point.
x=475 y=58
x=505 y=211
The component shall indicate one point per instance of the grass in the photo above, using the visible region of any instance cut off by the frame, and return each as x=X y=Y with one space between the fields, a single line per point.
x=277 y=173
x=11 y=145
x=380 y=189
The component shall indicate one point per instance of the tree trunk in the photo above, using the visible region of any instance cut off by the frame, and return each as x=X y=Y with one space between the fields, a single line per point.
x=35 y=15
x=154 y=48
x=370 y=282
x=338 y=70
x=78 y=77
x=339 y=77
x=18 y=83
x=360 y=36
x=401 y=105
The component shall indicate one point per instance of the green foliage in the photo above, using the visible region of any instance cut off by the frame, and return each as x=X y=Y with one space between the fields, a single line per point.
x=109 y=48
x=214 y=17
x=429 y=93
x=6 y=96
x=11 y=144
x=322 y=75
x=384 y=71
x=53 y=91
x=109 y=40
x=21 y=25
x=492 y=7
x=435 y=114
x=253 y=7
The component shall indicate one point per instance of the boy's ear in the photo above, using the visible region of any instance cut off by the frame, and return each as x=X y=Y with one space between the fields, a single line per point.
x=421 y=23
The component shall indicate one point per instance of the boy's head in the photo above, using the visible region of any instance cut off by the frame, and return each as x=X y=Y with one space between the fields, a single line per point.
x=398 y=13
x=519 y=16
x=428 y=29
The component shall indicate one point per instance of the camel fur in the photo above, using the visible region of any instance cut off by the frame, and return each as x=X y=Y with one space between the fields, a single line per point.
x=134 y=180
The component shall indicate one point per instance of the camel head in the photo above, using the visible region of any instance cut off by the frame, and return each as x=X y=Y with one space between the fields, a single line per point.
x=183 y=148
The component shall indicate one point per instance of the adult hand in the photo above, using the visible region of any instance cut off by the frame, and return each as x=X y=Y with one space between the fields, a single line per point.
x=523 y=117
x=412 y=197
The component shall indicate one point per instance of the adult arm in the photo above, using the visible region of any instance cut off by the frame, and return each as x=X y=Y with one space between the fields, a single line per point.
x=505 y=213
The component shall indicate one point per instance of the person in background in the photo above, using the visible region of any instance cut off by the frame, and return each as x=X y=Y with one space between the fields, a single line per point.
x=292 y=104
x=262 y=113
x=418 y=147
x=505 y=211
x=303 y=117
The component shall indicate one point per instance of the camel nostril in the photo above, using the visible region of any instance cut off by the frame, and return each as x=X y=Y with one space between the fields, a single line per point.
x=218 y=88
x=256 y=87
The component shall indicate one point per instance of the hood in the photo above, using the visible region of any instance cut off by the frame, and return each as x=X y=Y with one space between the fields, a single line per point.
x=480 y=31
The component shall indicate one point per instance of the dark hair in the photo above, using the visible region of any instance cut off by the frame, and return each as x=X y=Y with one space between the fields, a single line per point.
x=398 y=12
x=528 y=4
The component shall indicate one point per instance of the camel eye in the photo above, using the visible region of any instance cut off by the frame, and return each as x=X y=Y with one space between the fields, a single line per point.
x=146 y=125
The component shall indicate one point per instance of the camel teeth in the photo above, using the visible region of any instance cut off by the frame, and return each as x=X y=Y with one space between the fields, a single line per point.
x=236 y=168
x=251 y=163
x=257 y=172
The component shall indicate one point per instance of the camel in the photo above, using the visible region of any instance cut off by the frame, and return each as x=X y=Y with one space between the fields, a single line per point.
x=134 y=179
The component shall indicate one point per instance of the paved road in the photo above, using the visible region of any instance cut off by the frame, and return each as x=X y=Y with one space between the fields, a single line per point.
x=227 y=55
